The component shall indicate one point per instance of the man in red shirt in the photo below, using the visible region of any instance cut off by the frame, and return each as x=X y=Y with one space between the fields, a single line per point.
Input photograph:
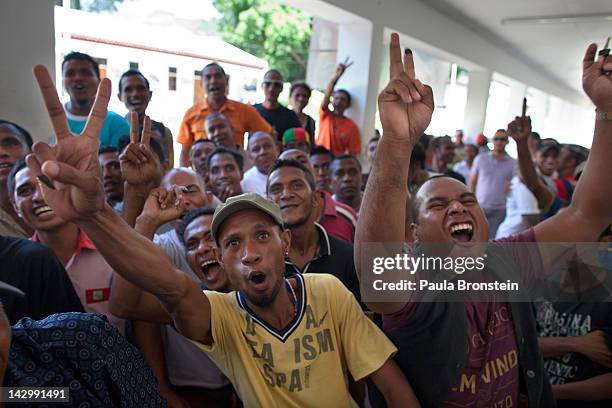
x=337 y=132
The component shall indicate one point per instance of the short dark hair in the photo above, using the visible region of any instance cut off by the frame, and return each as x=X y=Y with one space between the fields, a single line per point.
x=347 y=157
x=418 y=156
x=437 y=141
x=273 y=71
x=472 y=146
x=280 y=163
x=133 y=72
x=223 y=150
x=318 y=149
x=82 y=57
x=214 y=64
x=155 y=146
x=204 y=140
x=25 y=135
x=344 y=91
x=188 y=218
x=415 y=202
x=107 y=149
x=297 y=85
x=10 y=181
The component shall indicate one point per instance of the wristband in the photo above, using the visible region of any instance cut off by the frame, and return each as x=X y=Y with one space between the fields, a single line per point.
x=603 y=115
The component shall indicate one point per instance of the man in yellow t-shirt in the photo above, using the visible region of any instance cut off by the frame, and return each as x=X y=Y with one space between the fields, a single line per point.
x=263 y=332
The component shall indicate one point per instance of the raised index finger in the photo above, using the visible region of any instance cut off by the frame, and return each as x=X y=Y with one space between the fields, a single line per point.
x=395 y=57
x=52 y=102
x=97 y=116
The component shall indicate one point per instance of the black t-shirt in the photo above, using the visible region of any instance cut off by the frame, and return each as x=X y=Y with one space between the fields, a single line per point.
x=280 y=118
x=562 y=319
x=35 y=270
x=335 y=257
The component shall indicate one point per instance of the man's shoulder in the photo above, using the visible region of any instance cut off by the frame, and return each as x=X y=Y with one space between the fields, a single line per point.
x=196 y=109
x=23 y=249
x=236 y=105
x=115 y=117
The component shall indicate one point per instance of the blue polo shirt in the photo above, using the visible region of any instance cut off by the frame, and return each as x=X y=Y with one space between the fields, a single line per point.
x=114 y=127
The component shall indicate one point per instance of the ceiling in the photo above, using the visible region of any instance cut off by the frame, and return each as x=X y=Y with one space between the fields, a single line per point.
x=553 y=49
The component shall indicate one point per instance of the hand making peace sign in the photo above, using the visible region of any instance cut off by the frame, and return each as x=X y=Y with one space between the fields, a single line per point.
x=69 y=172
x=139 y=165
x=405 y=105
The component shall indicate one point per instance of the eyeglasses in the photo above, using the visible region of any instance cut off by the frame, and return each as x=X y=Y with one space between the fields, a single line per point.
x=500 y=139
x=275 y=84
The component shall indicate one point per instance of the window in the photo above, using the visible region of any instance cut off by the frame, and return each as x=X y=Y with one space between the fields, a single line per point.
x=133 y=65
x=198 y=92
x=102 y=64
x=172 y=79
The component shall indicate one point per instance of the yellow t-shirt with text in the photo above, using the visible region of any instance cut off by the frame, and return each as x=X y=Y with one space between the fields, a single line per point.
x=305 y=364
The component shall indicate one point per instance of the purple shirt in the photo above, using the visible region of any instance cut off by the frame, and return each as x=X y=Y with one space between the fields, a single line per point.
x=493 y=180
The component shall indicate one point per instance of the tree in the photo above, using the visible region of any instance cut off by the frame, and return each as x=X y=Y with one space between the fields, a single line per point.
x=277 y=33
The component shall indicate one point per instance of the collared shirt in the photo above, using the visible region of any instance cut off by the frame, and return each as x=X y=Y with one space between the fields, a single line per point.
x=244 y=118
x=9 y=227
x=335 y=257
x=115 y=126
x=338 y=219
x=91 y=277
x=338 y=134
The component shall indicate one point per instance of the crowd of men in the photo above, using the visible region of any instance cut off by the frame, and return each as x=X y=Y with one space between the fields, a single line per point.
x=234 y=278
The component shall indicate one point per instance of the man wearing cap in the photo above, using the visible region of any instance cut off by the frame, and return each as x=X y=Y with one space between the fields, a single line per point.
x=263 y=151
x=297 y=138
x=273 y=112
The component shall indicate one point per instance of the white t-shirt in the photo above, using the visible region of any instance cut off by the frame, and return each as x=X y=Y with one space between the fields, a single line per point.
x=520 y=201
x=254 y=181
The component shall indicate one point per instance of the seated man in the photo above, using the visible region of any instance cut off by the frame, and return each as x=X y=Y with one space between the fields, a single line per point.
x=338 y=219
x=15 y=144
x=81 y=77
x=108 y=157
x=265 y=309
x=346 y=180
x=224 y=173
x=297 y=138
x=263 y=151
x=91 y=276
x=292 y=187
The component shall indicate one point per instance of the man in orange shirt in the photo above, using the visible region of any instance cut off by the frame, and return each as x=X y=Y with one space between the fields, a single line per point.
x=338 y=133
x=243 y=117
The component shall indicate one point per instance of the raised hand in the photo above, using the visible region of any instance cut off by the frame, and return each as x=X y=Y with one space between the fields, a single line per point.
x=163 y=205
x=342 y=67
x=596 y=78
x=405 y=105
x=520 y=129
x=139 y=165
x=69 y=172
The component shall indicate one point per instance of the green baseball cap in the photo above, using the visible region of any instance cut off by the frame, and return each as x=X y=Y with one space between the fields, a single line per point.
x=241 y=202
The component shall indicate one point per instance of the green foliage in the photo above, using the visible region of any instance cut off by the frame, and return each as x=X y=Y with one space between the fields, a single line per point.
x=277 y=33
x=95 y=5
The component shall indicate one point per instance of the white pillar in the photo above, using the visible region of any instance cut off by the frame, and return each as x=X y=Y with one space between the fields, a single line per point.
x=27 y=37
x=476 y=106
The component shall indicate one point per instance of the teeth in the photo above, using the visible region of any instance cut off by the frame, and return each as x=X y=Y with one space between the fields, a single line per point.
x=209 y=262
x=41 y=210
x=3 y=165
x=464 y=226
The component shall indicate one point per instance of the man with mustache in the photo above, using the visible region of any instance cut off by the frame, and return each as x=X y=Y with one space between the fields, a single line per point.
x=288 y=342
x=244 y=118
x=446 y=348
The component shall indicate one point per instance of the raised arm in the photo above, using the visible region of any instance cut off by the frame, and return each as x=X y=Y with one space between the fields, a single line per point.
x=332 y=84
x=520 y=130
x=590 y=211
x=406 y=106
x=70 y=184
x=393 y=386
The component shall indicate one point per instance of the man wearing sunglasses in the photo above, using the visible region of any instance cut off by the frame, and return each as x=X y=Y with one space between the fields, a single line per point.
x=273 y=112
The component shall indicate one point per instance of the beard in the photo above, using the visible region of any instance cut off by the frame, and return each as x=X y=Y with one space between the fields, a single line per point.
x=267 y=299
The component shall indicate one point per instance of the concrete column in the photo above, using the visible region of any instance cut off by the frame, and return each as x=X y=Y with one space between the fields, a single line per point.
x=476 y=106
x=27 y=37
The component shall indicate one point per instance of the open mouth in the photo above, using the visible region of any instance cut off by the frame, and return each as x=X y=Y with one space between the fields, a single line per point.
x=210 y=269
x=257 y=279
x=462 y=232
x=42 y=210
